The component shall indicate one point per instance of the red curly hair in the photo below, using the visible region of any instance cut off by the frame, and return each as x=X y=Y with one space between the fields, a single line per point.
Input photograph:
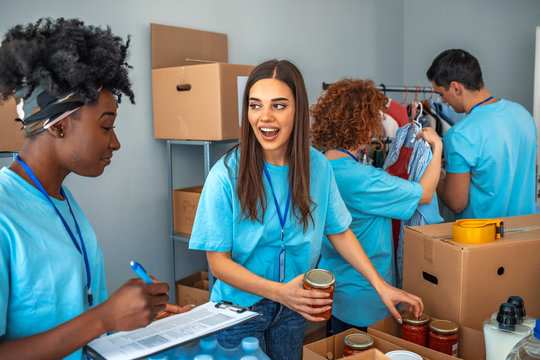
x=348 y=115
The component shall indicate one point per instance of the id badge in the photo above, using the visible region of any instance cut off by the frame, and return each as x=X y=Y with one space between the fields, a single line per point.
x=282 y=265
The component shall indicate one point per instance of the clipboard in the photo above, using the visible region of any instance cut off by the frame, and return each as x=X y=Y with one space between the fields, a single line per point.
x=169 y=332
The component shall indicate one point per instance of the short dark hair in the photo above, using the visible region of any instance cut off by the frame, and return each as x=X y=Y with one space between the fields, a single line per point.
x=64 y=56
x=456 y=65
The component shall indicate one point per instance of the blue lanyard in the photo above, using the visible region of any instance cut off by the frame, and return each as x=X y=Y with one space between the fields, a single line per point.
x=83 y=252
x=282 y=219
x=480 y=103
x=348 y=153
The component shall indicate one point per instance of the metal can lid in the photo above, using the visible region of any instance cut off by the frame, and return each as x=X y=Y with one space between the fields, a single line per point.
x=444 y=326
x=409 y=318
x=358 y=341
x=319 y=278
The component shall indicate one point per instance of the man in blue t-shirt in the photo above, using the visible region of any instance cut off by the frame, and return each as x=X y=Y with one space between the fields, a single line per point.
x=490 y=155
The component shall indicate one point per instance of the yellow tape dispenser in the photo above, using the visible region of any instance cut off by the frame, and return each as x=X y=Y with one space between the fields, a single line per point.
x=477 y=231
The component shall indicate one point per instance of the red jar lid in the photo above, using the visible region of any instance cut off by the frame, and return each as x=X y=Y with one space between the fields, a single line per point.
x=358 y=341
x=444 y=327
x=319 y=278
x=409 y=318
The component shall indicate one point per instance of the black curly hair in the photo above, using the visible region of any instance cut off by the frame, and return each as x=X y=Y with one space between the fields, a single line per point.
x=64 y=56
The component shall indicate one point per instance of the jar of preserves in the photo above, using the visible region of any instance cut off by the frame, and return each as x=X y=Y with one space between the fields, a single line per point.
x=321 y=280
x=443 y=337
x=415 y=329
x=356 y=343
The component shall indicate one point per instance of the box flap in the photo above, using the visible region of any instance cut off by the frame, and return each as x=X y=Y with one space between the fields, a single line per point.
x=176 y=46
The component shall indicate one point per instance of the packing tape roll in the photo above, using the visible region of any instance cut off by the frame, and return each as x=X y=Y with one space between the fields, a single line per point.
x=477 y=231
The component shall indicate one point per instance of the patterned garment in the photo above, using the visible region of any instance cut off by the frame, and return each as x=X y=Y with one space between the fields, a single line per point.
x=415 y=165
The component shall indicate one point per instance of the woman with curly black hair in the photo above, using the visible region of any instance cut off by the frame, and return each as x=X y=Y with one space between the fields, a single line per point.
x=67 y=79
x=345 y=120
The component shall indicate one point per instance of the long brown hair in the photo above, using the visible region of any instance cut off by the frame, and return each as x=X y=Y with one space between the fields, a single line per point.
x=250 y=185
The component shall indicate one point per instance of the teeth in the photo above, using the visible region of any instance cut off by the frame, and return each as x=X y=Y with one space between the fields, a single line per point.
x=269 y=131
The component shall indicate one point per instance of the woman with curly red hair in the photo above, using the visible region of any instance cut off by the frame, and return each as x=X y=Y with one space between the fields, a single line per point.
x=345 y=120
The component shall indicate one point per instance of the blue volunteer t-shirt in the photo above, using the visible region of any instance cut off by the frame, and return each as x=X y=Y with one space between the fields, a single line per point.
x=219 y=225
x=42 y=275
x=373 y=198
x=497 y=144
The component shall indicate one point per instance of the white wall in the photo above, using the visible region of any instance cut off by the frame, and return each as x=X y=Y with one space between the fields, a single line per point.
x=390 y=41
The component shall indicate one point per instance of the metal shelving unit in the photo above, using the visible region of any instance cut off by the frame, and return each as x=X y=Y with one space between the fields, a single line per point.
x=208 y=162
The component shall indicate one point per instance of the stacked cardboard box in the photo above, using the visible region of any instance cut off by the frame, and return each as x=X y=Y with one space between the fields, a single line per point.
x=11 y=133
x=195 y=91
x=185 y=202
x=193 y=290
x=466 y=283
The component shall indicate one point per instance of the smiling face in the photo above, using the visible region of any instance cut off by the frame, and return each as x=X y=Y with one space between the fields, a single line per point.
x=91 y=138
x=271 y=111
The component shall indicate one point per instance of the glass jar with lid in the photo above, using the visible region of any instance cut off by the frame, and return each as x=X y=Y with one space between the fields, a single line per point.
x=356 y=343
x=443 y=336
x=321 y=280
x=415 y=329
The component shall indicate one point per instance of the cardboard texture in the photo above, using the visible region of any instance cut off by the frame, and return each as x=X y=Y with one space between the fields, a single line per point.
x=11 y=134
x=390 y=330
x=466 y=283
x=194 y=90
x=177 y=46
x=370 y=354
x=193 y=290
x=185 y=202
x=207 y=111
x=333 y=345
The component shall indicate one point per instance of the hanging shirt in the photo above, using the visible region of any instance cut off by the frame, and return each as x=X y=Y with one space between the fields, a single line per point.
x=219 y=225
x=419 y=158
x=398 y=112
x=42 y=275
x=373 y=197
x=496 y=143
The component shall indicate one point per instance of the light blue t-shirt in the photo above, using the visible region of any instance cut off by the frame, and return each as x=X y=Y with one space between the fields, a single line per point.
x=497 y=144
x=42 y=275
x=373 y=198
x=219 y=225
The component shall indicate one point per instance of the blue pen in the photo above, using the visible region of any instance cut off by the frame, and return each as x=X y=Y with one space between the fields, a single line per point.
x=140 y=271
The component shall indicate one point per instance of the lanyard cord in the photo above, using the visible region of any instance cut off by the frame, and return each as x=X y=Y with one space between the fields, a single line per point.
x=480 y=103
x=282 y=219
x=348 y=153
x=83 y=252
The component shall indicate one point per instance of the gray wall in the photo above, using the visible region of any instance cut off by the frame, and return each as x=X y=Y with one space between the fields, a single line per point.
x=390 y=41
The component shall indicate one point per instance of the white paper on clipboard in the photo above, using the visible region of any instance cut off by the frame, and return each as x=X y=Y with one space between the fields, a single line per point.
x=169 y=332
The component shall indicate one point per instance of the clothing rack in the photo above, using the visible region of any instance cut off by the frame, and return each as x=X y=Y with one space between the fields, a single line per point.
x=389 y=88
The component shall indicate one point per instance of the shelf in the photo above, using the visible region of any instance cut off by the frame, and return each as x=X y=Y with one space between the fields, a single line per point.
x=208 y=162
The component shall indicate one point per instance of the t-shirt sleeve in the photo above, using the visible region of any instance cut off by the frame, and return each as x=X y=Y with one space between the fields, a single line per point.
x=338 y=217
x=460 y=155
x=381 y=194
x=4 y=279
x=212 y=228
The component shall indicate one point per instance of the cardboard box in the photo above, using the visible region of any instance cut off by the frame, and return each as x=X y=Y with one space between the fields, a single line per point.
x=195 y=92
x=185 y=202
x=370 y=354
x=466 y=283
x=193 y=289
x=207 y=110
x=333 y=346
x=314 y=331
x=390 y=330
x=11 y=133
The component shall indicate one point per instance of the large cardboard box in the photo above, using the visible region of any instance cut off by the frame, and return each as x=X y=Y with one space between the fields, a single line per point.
x=185 y=202
x=195 y=91
x=466 y=283
x=333 y=345
x=389 y=330
x=11 y=133
x=193 y=290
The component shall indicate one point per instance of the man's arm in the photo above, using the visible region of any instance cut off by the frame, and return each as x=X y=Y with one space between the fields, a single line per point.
x=453 y=190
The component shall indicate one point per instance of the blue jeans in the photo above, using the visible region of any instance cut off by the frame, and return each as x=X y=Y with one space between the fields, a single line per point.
x=280 y=331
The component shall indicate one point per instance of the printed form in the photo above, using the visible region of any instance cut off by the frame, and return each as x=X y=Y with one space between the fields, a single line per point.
x=169 y=332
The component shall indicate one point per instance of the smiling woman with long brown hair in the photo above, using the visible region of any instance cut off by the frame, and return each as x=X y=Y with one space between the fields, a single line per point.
x=263 y=212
